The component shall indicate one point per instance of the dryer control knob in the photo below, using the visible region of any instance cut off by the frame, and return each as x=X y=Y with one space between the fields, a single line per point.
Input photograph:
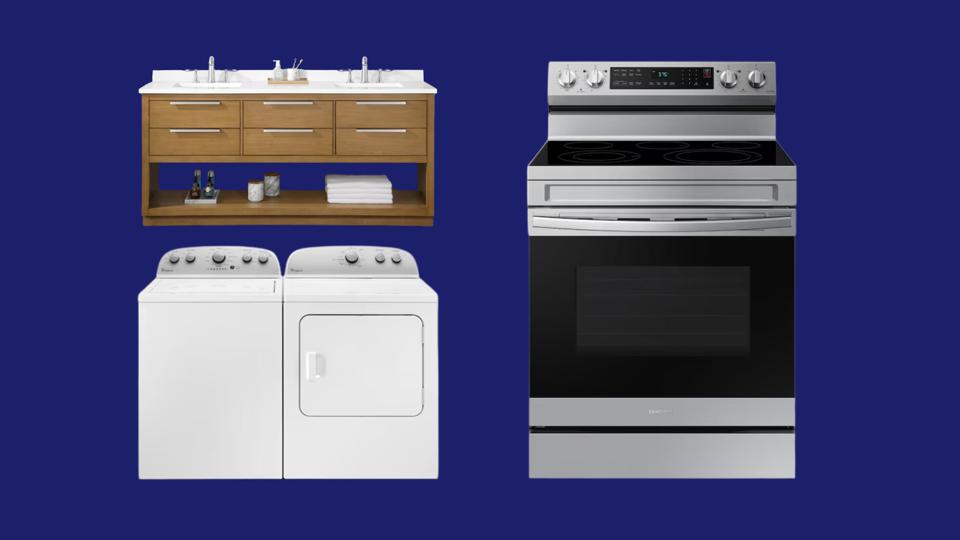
x=262 y=259
x=218 y=257
x=351 y=257
x=396 y=258
x=728 y=78
x=190 y=258
x=174 y=258
x=380 y=258
x=246 y=258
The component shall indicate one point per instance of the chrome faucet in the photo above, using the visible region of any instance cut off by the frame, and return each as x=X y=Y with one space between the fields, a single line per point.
x=211 y=71
x=364 y=76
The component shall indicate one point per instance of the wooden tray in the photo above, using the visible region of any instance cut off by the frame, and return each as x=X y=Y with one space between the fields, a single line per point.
x=299 y=81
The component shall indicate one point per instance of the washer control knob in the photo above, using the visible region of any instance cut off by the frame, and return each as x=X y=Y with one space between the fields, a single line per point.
x=396 y=258
x=262 y=259
x=567 y=78
x=218 y=258
x=246 y=258
x=190 y=258
x=379 y=258
x=756 y=78
x=173 y=258
x=728 y=78
x=351 y=257
x=595 y=78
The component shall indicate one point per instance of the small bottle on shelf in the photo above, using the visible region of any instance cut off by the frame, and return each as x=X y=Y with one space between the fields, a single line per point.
x=210 y=189
x=195 y=190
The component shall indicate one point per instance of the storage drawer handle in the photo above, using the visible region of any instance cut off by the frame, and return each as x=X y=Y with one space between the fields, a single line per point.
x=183 y=130
x=176 y=103
x=380 y=102
x=288 y=103
x=288 y=130
x=381 y=131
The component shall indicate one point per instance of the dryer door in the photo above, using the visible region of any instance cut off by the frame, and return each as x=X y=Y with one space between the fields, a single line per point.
x=361 y=365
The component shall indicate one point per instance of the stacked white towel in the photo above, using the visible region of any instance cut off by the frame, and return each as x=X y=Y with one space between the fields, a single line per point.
x=359 y=189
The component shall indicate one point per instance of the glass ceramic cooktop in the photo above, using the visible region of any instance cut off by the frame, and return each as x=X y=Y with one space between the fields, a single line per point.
x=661 y=153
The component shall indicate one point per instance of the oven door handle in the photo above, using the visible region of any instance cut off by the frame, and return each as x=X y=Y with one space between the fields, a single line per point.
x=615 y=225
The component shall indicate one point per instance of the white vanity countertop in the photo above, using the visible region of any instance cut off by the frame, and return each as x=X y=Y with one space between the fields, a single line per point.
x=321 y=82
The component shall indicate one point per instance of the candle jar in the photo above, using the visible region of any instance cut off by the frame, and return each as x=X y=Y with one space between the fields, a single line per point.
x=255 y=190
x=271 y=183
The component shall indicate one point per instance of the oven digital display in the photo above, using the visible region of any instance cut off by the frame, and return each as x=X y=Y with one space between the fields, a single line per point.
x=661 y=78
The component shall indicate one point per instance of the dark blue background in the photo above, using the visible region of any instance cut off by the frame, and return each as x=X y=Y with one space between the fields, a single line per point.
x=858 y=111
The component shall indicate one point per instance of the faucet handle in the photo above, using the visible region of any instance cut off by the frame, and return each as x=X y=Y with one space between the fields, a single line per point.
x=349 y=74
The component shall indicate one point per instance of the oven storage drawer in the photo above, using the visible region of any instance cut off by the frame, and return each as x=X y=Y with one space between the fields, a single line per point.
x=661 y=193
x=288 y=113
x=382 y=113
x=195 y=142
x=287 y=142
x=194 y=113
x=662 y=455
x=382 y=142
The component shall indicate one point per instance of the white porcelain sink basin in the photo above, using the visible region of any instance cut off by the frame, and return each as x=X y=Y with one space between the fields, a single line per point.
x=370 y=85
x=209 y=84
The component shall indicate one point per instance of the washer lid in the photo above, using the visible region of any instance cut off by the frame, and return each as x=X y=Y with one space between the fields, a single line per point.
x=213 y=290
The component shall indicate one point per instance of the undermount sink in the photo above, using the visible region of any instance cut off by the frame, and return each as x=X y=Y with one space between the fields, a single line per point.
x=370 y=85
x=209 y=84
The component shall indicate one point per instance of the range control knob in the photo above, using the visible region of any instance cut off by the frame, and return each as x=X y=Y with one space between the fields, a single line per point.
x=262 y=259
x=246 y=258
x=567 y=78
x=174 y=258
x=595 y=78
x=351 y=257
x=219 y=257
x=190 y=258
x=756 y=78
x=728 y=78
x=396 y=258
x=379 y=258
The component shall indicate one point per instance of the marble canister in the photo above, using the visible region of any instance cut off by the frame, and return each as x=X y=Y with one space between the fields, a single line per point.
x=271 y=183
x=255 y=190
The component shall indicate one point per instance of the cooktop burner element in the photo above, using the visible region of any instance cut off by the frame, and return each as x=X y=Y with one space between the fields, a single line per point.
x=677 y=153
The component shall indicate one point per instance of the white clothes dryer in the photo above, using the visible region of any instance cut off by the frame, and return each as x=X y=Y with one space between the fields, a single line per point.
x=210 y=359
x=360 y=368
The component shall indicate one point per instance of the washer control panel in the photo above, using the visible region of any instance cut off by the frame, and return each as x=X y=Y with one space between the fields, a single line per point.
x=351 y=261
x=222 y=261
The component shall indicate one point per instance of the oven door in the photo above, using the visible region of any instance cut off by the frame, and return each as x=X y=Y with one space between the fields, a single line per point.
x=670 y=317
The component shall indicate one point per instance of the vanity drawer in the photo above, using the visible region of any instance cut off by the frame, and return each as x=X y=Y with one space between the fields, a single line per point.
x=194 y=113
x=194 y=142
x=382 y=113
x=287 y=142
x=382 y=142
x=288 y=113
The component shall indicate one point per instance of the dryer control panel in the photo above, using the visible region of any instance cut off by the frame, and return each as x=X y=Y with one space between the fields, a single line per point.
x=220 y=261
x=351 y=261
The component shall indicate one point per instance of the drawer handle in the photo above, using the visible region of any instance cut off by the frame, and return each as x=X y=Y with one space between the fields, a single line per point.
x=176 y=103
x=288 y=131
x=194 y=131
x=380 y=102
x=381 y=131
x=288 y=103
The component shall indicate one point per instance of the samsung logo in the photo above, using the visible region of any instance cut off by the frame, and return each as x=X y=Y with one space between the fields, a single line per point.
x=659 y=411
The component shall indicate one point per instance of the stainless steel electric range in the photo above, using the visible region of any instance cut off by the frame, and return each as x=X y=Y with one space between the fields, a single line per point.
x=662 y=218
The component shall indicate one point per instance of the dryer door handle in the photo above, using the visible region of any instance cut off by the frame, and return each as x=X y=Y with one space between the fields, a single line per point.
x=314 y=366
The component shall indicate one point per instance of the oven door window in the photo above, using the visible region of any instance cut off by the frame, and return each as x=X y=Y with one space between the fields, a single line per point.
x=662 y=317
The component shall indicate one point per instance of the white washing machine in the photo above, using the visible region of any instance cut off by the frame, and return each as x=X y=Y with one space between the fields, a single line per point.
x=210 y=335
x=360 y=365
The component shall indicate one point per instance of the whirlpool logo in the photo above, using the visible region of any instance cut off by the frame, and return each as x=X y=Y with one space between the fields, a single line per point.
x=659 y=411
